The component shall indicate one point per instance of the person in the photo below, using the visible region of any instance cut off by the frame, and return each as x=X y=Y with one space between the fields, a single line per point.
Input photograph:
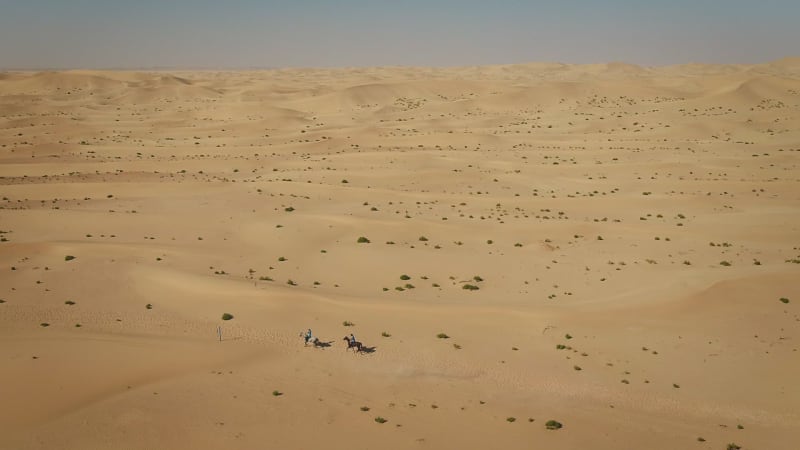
x=308 y=336
x=352 y=339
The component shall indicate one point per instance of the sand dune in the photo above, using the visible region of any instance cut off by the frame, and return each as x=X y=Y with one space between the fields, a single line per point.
x=610 y=246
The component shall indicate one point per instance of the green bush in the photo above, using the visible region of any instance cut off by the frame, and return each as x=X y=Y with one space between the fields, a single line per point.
x=380 y=419
x=363 y=240
x=69 y=258
x=227 y=316
x=553 y=425
x=784 y=300
x=470 y=287
x=442 y=336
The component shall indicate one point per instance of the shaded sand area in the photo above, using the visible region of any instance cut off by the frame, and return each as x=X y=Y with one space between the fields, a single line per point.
x=612 y=247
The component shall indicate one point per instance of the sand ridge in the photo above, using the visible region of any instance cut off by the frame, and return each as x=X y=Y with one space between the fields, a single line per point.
x=611 y=246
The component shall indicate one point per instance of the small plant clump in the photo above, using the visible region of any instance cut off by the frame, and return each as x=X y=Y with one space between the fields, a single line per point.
x=363 y=240
x=470 y=287
x=365 y=408
x=553 y=425
x=511 y=419
x=69 y=258
x=227 y=316
x=442 y=336
x=277 y=393
x=385 y=334
x=380 y=419
x=784 y=300
x=69 y=302
x=148 y=306
x=347 y=323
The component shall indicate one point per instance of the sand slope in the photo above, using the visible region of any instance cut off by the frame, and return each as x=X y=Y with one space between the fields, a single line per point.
x=631 y=236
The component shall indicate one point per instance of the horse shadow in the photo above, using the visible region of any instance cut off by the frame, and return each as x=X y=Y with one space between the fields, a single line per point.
x=323 y=344
x=368 y=350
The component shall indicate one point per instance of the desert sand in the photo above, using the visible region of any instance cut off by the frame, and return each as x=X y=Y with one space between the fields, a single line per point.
x=612 y=247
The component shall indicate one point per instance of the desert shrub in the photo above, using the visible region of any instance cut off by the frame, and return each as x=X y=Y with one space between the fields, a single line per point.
x=227 y=316
x=470 y=287
x=380 y=419
x=363 y=240
x=277 y=393
x=69 y=302
x=69 y=258
x=511 y=419
x=347 y=323
x=553 y=424
x=784 y=300
x=442 y=336
x=405 y=277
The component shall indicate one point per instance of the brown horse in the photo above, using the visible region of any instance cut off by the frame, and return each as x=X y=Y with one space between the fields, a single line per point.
x=357 y=347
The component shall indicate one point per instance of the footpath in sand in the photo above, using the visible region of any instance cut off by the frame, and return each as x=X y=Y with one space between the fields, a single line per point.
x=612 y=247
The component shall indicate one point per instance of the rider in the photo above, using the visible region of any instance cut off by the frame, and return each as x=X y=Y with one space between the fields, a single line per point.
x=352 y=339
x=308 y=335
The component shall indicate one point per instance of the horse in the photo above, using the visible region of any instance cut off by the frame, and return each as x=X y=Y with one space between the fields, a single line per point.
x=313 y=340
x=357 y=347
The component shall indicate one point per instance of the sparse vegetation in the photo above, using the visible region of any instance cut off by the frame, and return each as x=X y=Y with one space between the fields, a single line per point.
x=553 y=425
x=380 y=419
x=277 y=393
x=784 y=300
x=347 y=323
x=69 y=258
x=442 y=336
x=227 y=316
x=363 y=240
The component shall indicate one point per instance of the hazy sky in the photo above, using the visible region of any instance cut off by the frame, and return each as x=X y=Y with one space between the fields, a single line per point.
x=267 y=33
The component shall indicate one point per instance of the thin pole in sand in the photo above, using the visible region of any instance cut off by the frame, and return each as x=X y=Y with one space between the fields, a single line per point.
x=219 y=333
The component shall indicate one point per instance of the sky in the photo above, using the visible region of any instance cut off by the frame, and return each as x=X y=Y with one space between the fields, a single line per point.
x=142 y=34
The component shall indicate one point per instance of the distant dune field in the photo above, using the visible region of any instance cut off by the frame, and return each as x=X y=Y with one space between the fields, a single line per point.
x=611 y=247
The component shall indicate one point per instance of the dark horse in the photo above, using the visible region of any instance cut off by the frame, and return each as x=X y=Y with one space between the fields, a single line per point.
x=357 y=347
